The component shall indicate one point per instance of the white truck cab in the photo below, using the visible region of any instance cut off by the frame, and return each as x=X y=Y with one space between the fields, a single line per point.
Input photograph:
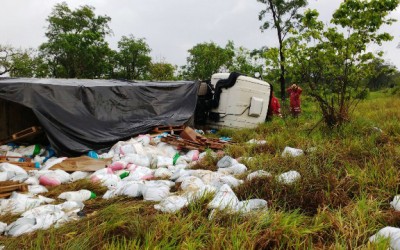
x=238 y=101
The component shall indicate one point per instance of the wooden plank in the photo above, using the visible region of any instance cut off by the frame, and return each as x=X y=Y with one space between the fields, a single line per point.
x=83 y=163
x=7 y=187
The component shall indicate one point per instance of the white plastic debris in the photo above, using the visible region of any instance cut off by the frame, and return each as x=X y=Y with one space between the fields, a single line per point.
x=37 y=189
x=258 y=142
x=226 y=162
x=128 y=188
x=43 y=218
x=162 y=173
x=235 y=169
x=289 y=177
x=15 y=155
x=18 y=203
x=21 y=226
x=203 y=191
x=163 y=161
x=166 y=149
x=81 y=195
x=392 y=233
x=138 y=173
x=32 y=181
x=4 y=176
x=52 y=161
x=155 y=191
x=258 y=174
x=252 y=204
x=2 y=227
x=292 y=152
x=191 y=183
x=78 y=175
x=140 y=160
x=396 y=203
x=7 y=167
x=225 y=198
x=172 y=204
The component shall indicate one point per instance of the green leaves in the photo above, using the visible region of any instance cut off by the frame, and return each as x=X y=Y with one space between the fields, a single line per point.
x=336 y=65
x=133 y=58
x=206 y=59
x=76 y=46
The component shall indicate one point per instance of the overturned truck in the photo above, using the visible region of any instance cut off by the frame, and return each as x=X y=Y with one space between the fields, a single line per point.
x=82 y=115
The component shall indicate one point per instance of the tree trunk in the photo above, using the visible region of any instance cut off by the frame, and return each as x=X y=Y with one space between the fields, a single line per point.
x=281 y=55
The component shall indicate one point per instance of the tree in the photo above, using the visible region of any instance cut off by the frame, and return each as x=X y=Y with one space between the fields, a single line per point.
x=76 y=46
x=16 y=62
x=162 y=71
x=334 y=61
x=282 y=16
x=133 y=58
x=246 y=62
x=383 y=75
x=206 y=59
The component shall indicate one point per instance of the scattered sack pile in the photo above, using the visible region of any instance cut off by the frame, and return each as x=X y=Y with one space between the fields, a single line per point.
x=141 y=167
x=391 y=233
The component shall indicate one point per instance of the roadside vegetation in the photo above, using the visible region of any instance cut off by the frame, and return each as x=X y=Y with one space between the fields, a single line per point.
x=349 y=176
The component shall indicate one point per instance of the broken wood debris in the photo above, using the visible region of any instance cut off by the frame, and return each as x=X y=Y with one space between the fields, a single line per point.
x=189 y=139
x=7 y=187
x=23 y=134
x=169 y=129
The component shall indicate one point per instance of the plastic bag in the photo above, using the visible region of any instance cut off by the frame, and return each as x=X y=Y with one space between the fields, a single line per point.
x=163 y=161
x=396 y=203
x=191 y=183
x=118 y=165
x=37 y=189
x=252 y=204
x=172 y=204
x=140 y=160
x=204 y=190
x=225 y=198
x=128 y=188
x=166 y=149
x=52 y=161
x=258 y=174
x=21 y=226
x=81 y=195
x=78 y=175
x=226 y=162
x=292 y=152
x=392 y=233
x=162 y=173
x=155 y=191
x=139 y=173
x=49 y=180
x=7 y=167
x=234 y=169
x=289 y=177
x=3 y=227
x=4 y=176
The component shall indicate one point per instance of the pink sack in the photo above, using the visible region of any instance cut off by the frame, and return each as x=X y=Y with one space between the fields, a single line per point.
x=49 y=181
x=118 y=165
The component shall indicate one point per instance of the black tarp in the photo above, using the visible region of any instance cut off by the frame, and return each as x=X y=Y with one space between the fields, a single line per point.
x=82 y=115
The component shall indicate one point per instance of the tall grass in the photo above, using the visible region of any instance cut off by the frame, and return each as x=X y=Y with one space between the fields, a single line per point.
x=342 y=198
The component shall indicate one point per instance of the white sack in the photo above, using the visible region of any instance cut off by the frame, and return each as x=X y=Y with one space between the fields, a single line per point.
x=172 y=204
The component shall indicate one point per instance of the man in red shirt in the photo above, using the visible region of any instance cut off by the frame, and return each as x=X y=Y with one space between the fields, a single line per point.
x=294 y=94
x=275 y=105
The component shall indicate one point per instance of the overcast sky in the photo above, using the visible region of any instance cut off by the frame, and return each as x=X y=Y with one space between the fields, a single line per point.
x=170 y=27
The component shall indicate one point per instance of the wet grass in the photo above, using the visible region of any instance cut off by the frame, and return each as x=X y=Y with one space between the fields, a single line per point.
x=348 y=177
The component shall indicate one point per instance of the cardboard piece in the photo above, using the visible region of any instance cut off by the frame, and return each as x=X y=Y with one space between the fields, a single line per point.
x=82 y=163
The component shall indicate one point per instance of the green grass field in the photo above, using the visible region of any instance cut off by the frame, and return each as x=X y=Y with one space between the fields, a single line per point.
x=341 y=200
